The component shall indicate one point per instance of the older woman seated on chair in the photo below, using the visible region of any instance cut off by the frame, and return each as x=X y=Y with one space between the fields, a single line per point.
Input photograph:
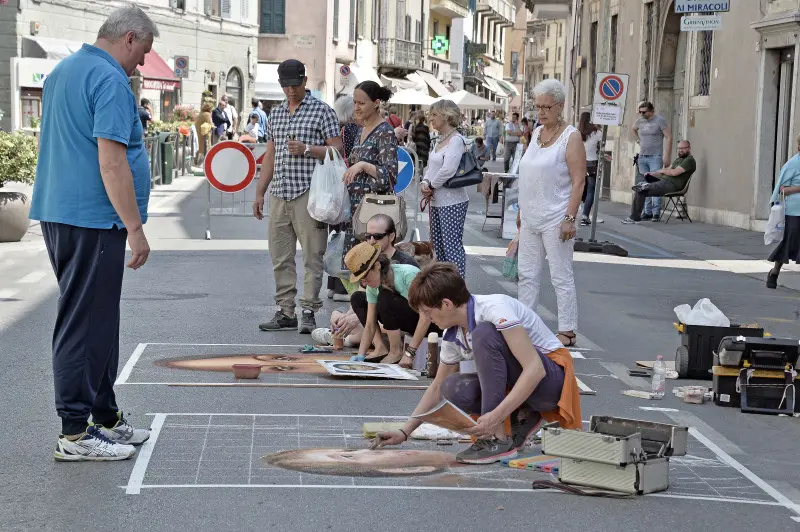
x=385 y=300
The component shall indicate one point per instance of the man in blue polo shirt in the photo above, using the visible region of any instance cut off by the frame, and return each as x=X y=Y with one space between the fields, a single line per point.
x=91 y=192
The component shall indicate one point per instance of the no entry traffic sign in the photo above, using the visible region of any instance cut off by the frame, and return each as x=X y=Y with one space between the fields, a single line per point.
x=610 y=93
x=230 y=166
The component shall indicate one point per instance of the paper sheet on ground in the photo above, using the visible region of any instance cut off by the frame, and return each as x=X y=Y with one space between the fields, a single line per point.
x=373 y=370
x=448 y=416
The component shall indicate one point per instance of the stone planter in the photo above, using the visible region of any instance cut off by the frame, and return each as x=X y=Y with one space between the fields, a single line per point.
x=14 y=209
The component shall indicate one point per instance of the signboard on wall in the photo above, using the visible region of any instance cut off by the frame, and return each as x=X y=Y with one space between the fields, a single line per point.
x=702 y=6
x=181 y=66
x=701 y=23
x=159 y=85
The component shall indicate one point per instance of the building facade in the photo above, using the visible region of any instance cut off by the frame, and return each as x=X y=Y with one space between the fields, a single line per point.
x=732 y=92
x=216 y=38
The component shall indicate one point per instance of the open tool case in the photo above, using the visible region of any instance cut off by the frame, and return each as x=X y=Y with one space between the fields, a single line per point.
x=618 y=454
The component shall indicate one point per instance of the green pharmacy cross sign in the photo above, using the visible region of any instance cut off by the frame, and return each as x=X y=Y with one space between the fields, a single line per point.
x=440 y=45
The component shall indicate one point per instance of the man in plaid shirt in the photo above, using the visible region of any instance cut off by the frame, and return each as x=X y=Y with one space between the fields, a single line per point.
x=299 y=131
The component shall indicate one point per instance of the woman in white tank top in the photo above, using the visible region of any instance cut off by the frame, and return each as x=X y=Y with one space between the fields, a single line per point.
x=551 y=180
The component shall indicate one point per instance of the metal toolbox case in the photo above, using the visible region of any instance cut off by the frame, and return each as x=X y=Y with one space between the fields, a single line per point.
x=641 y=478
x=616 y=441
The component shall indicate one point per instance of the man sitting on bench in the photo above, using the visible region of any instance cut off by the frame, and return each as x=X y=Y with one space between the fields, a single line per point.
x=492 y=344
x=665 y=181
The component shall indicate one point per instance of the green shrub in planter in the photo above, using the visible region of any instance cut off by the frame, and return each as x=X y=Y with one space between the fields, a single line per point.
x=18 y=156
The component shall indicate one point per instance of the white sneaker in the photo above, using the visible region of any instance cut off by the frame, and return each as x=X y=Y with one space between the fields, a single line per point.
x=92 y=446
x=123 y=432
x=322 y=336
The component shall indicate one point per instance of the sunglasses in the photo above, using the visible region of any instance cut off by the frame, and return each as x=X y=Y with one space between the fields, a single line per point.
x=376 y=236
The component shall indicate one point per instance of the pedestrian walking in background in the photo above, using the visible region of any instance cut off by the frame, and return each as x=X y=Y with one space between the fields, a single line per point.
x=552 y=174
x=221 y=122
x=513 y=133
x=491 y=131
x=421 y=134
x=591 y=136
x=91 y=192
x=350 y=129
x=788 y=185
x=145 y=113
x=204 y=124
x=448 y=206
x=299 y=132
x=350 y=132
x=262 y=119
x=654 y=136
x=233 y=118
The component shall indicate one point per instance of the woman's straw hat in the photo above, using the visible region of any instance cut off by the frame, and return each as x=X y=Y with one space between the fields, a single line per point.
x=360 y=260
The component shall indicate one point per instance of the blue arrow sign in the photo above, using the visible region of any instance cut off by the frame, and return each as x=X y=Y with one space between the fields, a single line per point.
x=405 y=170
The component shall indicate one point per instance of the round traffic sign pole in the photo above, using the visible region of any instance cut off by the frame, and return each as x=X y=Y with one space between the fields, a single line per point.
x=230 y=166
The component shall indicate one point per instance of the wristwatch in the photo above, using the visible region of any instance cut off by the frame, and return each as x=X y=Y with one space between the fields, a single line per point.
x=307 y=151
x=411 y=352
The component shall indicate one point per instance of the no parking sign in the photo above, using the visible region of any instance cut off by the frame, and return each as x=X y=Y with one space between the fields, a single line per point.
x=230 y=166
x=610 y=93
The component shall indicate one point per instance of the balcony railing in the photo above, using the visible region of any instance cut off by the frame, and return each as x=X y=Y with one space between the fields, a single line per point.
x=502 y=8
x=451 y=8
x=396 y=53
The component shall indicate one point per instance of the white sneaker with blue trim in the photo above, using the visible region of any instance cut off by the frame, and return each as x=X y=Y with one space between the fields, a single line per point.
x=91 y=446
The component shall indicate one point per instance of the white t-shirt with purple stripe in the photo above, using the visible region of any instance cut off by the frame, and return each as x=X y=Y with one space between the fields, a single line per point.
x=504 y=312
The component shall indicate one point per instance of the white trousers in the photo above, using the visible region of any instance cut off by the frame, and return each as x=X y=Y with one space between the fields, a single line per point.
x=534 y=248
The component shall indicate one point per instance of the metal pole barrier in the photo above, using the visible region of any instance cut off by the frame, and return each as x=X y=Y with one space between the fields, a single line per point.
x=208 y=211
x=599 y=179
x=415 y=183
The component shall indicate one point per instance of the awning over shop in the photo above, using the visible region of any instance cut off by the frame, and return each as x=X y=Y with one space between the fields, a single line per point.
x=411 y=97
x=467 y=100
x=508 y=87
x=491 y=84
x=267 y=86
x=435 y=85
x=348 y=76
x=49 y=47
x=412 y=81
x=157 y=74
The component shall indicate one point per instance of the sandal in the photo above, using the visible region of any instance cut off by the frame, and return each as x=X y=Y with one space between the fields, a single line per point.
x=376 y=357
x=571 y=338
x=772 y=280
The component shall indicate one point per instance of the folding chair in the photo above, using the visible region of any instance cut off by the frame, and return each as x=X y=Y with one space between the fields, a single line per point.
x=678 y=202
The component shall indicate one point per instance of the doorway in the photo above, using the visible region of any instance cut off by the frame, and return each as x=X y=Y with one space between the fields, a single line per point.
x=783 y=118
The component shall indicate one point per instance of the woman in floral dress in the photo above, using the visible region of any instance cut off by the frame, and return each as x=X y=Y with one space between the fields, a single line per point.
x=373 y=161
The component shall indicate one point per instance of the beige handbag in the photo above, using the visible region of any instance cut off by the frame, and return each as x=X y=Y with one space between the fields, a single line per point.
x=392 y=205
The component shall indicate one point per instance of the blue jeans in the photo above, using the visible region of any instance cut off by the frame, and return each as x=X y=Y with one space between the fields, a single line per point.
x=651 y=163
x=491 y=143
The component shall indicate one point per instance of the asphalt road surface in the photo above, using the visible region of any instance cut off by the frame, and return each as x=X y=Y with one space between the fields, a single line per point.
x=203 y=469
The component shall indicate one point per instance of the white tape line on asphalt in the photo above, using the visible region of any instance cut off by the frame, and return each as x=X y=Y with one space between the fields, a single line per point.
x=33 y=277
x=143 y=456
x=128 y=368
x=752 y=477
x=576 y=354
x=8 y=293
x=224 y=345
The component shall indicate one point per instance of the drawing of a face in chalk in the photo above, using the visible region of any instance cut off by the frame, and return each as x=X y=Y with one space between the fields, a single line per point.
x=355 y=367
x=268 y=363
x=362 y=462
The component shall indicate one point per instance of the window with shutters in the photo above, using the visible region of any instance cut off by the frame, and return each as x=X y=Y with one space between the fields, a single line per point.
x=273 y=16
x=418 y=31
x=705 y=45
x=335 y=19
x=177 y=4
x=211 y=7
x=244 y=14
x=423 y=29
x=407 y=33
x=613 y=54
x=362 y=18
x=547 y=55
x=352 y=21
x=400 y=19
x=436 y=28
x=225 y=8
x=650 y=19
x=374 y=20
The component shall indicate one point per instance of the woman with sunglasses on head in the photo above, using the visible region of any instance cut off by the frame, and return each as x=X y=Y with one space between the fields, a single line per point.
x=448 y=206
x=380 y=231
x=385 y=301
x=552 y=174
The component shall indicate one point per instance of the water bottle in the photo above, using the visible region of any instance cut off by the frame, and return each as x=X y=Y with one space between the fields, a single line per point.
x=432 y=365
x=659 y=378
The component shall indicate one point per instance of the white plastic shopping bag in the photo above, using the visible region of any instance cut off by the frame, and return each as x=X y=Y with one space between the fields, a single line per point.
x=704 y=313
x=776 y=223
x=328 y=199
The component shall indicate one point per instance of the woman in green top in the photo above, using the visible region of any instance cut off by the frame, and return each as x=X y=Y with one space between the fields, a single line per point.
x=386 y=301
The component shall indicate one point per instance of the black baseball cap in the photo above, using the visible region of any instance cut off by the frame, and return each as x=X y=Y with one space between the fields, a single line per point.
x=291 y=73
